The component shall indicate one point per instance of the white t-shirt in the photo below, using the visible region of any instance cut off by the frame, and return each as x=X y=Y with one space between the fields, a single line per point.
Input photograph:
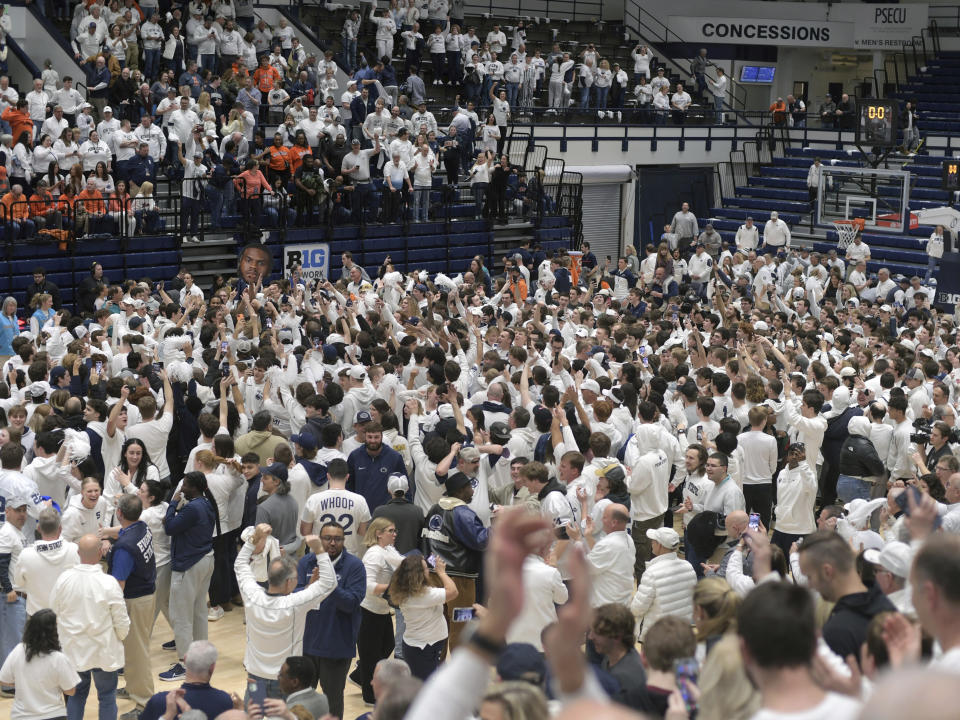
x=39 y=683
x=155 y=435
x=347 y=508
x=423 y=617
x=834 y=706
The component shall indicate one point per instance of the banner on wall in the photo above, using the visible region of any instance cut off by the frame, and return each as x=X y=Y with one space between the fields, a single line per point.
x=753 y=31
x=313 y=259
x=884 y=27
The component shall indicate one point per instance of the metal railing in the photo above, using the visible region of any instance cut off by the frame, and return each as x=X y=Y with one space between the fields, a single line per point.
x=558 y=10
x=655 y=34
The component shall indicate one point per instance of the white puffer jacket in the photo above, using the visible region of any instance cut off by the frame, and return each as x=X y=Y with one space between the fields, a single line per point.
x=666 y=588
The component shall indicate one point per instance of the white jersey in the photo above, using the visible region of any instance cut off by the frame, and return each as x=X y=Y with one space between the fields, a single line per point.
x=347 y=508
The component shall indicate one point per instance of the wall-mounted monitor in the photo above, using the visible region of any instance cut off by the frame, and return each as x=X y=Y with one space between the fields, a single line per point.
x=757 y=73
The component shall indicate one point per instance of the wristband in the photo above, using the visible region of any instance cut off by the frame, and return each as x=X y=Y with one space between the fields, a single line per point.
x=484 y=644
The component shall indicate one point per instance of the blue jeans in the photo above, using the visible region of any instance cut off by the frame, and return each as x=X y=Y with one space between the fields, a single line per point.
x=215 y=205
x=106 y=682
x=12 y=617
x=151 y=63
x=208 y=62
x=931 y=268
x=453 y=66
x=479 y=196
x=718 y=104
x=398 y=635
x=421 y=203
x=512 y=90
x=585 y=97
x=851 y=488
x=602 y=93
x=350 y=53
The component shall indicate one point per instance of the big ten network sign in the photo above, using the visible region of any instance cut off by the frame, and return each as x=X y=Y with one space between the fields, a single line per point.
x=313 y=259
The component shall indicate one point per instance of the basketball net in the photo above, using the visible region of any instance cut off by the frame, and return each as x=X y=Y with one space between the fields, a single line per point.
x=847 y=230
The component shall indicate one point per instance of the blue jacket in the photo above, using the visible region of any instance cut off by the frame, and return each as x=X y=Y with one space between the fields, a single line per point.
x=140 y=169
x=369 y=475
x=190 y=531
x=331 y=630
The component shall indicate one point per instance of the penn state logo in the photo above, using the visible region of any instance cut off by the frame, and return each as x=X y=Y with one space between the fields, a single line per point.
x=474 y=483
x=435 y=523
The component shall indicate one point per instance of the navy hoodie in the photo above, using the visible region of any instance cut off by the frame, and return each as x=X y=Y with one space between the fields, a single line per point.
x=190 y=531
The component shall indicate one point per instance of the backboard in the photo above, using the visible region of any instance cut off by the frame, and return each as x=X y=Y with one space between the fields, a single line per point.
x=879 y=197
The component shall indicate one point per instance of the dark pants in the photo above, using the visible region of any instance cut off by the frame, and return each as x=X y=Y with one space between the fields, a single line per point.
x=374 y=643
x=759 y=500
x=784 y=541
x=220 y=581
x=361 y=198
x=332 y=678
x=190 y=218
x=642 y=544
x=423 y=661
x=690 y=554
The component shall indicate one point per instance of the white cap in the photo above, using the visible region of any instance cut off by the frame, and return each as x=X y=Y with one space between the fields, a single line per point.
x=908 y=343
x=886 y=308
x=847 y=372
x=357 y=373
x=397 y=483
x=895 y=557
x=761 y=326
x=591 y=385
x=108 y=109
x=667 y=537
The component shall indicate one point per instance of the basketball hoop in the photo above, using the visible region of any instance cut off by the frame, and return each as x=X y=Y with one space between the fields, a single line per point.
x=847 y=230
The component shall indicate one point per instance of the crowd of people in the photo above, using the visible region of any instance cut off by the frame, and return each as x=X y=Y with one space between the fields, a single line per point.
x=433 y=474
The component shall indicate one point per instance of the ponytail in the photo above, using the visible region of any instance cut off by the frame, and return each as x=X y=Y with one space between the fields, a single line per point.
x=198 y=481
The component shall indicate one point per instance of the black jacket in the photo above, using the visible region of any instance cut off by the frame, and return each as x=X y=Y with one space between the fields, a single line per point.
x=846 y=628
x=859 y=458
x=45 y=287
x=409 y=521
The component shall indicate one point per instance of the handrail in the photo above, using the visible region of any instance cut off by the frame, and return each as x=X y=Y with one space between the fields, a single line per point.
x=645 y=32
x=575 y=10
x=23 y=57
x=57 y=36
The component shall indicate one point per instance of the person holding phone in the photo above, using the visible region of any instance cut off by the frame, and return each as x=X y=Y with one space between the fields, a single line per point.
x=425 y=635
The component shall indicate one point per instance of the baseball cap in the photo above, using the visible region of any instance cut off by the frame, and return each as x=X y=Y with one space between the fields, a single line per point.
x=57 y=373
x=456 y=482
x=894 y=557
x=914 y=374
x=886 y=308
x=847 y=372
x=277 y=470
x=357 y=373
x=591 y=385
x=108 y=109
x=500 y=433
x=91 y=24
x=665 y=536
x=907 y=343
x=761 y=326
x=305 y=440
x=18 y=498
x=521 y=661
x=470 y=454
x=135 y=323
x=362 y=417
x=397 y=483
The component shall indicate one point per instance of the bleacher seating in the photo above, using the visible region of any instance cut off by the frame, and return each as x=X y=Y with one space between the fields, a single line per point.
x=429 y=246
x=148 y=256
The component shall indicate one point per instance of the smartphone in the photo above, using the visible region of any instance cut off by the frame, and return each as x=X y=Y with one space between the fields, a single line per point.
x=224 y=345
x=269 y=323
x=700 y=433
x=686 y=672
x=157 y=367
x=316 y=343
x=755 y=521
x=99 y=366
x=224 y=370
x=432 y=560
x=463 y=614
x=256 y=692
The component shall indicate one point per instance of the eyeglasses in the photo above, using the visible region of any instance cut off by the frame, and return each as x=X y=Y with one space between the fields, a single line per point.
x=332 y=538
x=392 y=531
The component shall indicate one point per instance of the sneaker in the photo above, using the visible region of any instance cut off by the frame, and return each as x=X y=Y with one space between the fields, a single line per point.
x=174 y=674
x=195 y=239
x=132 y=714
x=214 y=613
x=122 y=694
x=169 y=645
x=6 y=692
x=355 y=680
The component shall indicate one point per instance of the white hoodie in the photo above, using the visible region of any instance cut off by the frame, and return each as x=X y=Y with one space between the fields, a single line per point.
x=39 y=567
x=79 y=521
x=52 y=478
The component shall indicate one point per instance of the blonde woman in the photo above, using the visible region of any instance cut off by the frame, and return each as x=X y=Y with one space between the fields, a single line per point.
x=714 y=613
x=376 y=641
x=514 y=700
x=726 y=692
x=602 y=80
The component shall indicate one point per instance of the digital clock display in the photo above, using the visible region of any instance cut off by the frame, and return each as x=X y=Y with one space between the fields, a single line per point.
x=951 y=175
x=877 y=123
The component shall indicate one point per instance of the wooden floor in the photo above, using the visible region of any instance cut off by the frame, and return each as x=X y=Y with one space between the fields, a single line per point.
x=229 y=635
